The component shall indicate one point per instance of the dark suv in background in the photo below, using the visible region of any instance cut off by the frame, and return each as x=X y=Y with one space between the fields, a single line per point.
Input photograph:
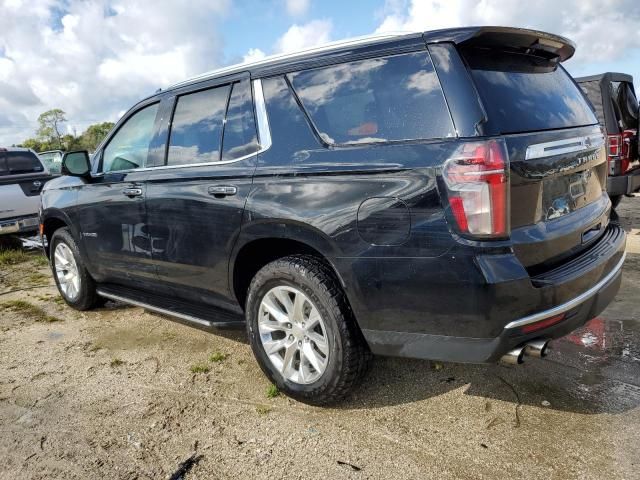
x=437 y=195
x=616 y=106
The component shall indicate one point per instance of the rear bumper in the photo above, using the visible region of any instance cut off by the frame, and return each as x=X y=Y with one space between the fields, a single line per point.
x=624 y=184
x=19 y=225
x=578 y=290
x=578 y=310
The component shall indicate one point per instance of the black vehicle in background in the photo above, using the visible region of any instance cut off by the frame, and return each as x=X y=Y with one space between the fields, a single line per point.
x=437 y=195
x=614 y=100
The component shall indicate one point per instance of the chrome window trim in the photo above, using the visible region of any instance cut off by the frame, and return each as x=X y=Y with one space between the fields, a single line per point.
x=567 y=145
x=574 y=302
x=263 y=132
x=262 y=119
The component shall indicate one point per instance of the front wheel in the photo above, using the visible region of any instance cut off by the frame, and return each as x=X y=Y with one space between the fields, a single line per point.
x=302 y=331
x=74 y=283
x=615 y=201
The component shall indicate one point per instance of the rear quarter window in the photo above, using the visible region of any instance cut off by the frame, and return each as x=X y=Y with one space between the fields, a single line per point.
x=376 y=100
x=524 y=93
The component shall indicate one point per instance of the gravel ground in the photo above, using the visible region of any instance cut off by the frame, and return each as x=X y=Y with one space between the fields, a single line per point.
x=120 y=393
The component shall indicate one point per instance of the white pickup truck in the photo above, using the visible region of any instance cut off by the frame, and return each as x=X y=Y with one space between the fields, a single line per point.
x=22 y=176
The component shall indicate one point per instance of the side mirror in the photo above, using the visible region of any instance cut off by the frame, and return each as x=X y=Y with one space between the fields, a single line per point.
x=76 y=164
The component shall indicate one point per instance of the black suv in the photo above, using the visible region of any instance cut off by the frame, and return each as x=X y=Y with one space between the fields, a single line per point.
x=437 y=195
x=616 y=107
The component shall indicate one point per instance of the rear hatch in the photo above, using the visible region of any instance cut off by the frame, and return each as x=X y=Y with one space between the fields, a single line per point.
x=555 y=147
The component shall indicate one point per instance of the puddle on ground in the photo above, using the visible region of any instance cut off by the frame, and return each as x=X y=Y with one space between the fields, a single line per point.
x=605 y=340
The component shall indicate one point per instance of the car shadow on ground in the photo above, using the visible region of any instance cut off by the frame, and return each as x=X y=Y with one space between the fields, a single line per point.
x=572 y=378
x=602 y=385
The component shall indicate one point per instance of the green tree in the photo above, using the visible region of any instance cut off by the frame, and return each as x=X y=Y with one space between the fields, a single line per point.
x=94 y=134
x=49 y=124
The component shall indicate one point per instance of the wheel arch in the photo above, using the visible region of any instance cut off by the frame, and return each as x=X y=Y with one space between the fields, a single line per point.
x=266 y=243
x=54 y=221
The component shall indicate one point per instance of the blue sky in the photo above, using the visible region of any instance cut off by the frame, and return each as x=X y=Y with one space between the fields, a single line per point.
x=95 y=58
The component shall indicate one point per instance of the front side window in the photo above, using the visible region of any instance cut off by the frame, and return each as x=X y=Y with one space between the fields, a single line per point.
x=376 y=100
x=129 y=147
x=196 y=129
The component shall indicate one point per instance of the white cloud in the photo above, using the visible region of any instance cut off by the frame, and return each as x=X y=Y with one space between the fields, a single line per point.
x=94 y=59
x=297 y=8
x=603 y=30
x=299 y=37
x=253 y=55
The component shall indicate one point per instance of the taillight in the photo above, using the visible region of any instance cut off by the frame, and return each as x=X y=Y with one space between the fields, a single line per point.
x=619 y=151
x=614 y=143
x=477 y=181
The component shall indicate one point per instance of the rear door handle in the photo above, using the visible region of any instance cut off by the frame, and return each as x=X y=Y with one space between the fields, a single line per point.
x=222 y=190
x=132 y=192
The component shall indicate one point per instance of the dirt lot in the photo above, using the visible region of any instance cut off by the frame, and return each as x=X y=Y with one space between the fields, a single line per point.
x=120 y=393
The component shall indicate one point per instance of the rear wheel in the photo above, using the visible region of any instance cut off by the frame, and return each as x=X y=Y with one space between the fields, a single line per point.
x=74 y=283
x=302 y=331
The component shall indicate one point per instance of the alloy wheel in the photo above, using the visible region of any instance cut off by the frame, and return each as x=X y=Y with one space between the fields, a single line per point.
x=293 y=334
x=66 y=271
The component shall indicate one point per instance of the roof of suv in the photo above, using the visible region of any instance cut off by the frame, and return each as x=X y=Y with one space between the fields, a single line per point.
x=607 y=76
x=15 y=149
x=487 y=36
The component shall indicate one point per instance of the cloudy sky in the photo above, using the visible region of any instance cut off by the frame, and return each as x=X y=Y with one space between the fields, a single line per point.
x=94 y=59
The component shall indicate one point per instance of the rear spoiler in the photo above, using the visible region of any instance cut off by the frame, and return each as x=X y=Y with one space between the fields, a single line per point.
x=551 y=46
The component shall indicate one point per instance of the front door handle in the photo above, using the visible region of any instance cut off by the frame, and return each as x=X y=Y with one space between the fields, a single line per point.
x=132 y=192
x=222 y=190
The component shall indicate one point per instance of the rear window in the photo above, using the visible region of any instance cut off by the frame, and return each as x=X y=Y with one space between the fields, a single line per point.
x=625 y=104
x=376 y=100
x=16 y=163
x=523 y=93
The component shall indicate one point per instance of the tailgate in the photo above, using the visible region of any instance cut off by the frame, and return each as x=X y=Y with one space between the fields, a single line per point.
x=555 y=146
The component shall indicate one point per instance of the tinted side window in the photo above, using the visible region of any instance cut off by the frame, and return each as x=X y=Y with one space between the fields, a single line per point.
x=128 y=148
x=240 y=137
x=380 y=99
x=196 y=129
x=23 y=162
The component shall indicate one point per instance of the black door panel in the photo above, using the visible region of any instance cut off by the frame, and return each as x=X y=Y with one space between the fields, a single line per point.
x=192 y=230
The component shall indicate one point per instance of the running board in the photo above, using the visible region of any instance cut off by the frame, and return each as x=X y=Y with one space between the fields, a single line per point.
x=203 y=317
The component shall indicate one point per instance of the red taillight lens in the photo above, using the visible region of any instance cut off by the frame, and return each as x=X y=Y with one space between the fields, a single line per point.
x=477 y=180
x=614 y=143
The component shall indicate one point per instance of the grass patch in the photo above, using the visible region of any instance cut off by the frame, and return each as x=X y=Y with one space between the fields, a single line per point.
x=59 y=300
x=116 y=362
x=28 y=309
x=37 y=278
x=272 y=391
x=218 y=357
x=263 y=409
x=41 y=260
x=200 y=368
x=13 y=257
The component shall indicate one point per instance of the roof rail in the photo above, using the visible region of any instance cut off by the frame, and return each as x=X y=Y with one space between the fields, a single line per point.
x=290 y=55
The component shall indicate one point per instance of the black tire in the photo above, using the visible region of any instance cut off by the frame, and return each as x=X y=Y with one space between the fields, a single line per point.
x=349 y=355
x=87 y=297
x=615 y=200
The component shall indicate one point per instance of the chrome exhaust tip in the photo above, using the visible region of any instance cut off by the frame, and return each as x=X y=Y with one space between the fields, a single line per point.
x=514 y=357
x=536 y=348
